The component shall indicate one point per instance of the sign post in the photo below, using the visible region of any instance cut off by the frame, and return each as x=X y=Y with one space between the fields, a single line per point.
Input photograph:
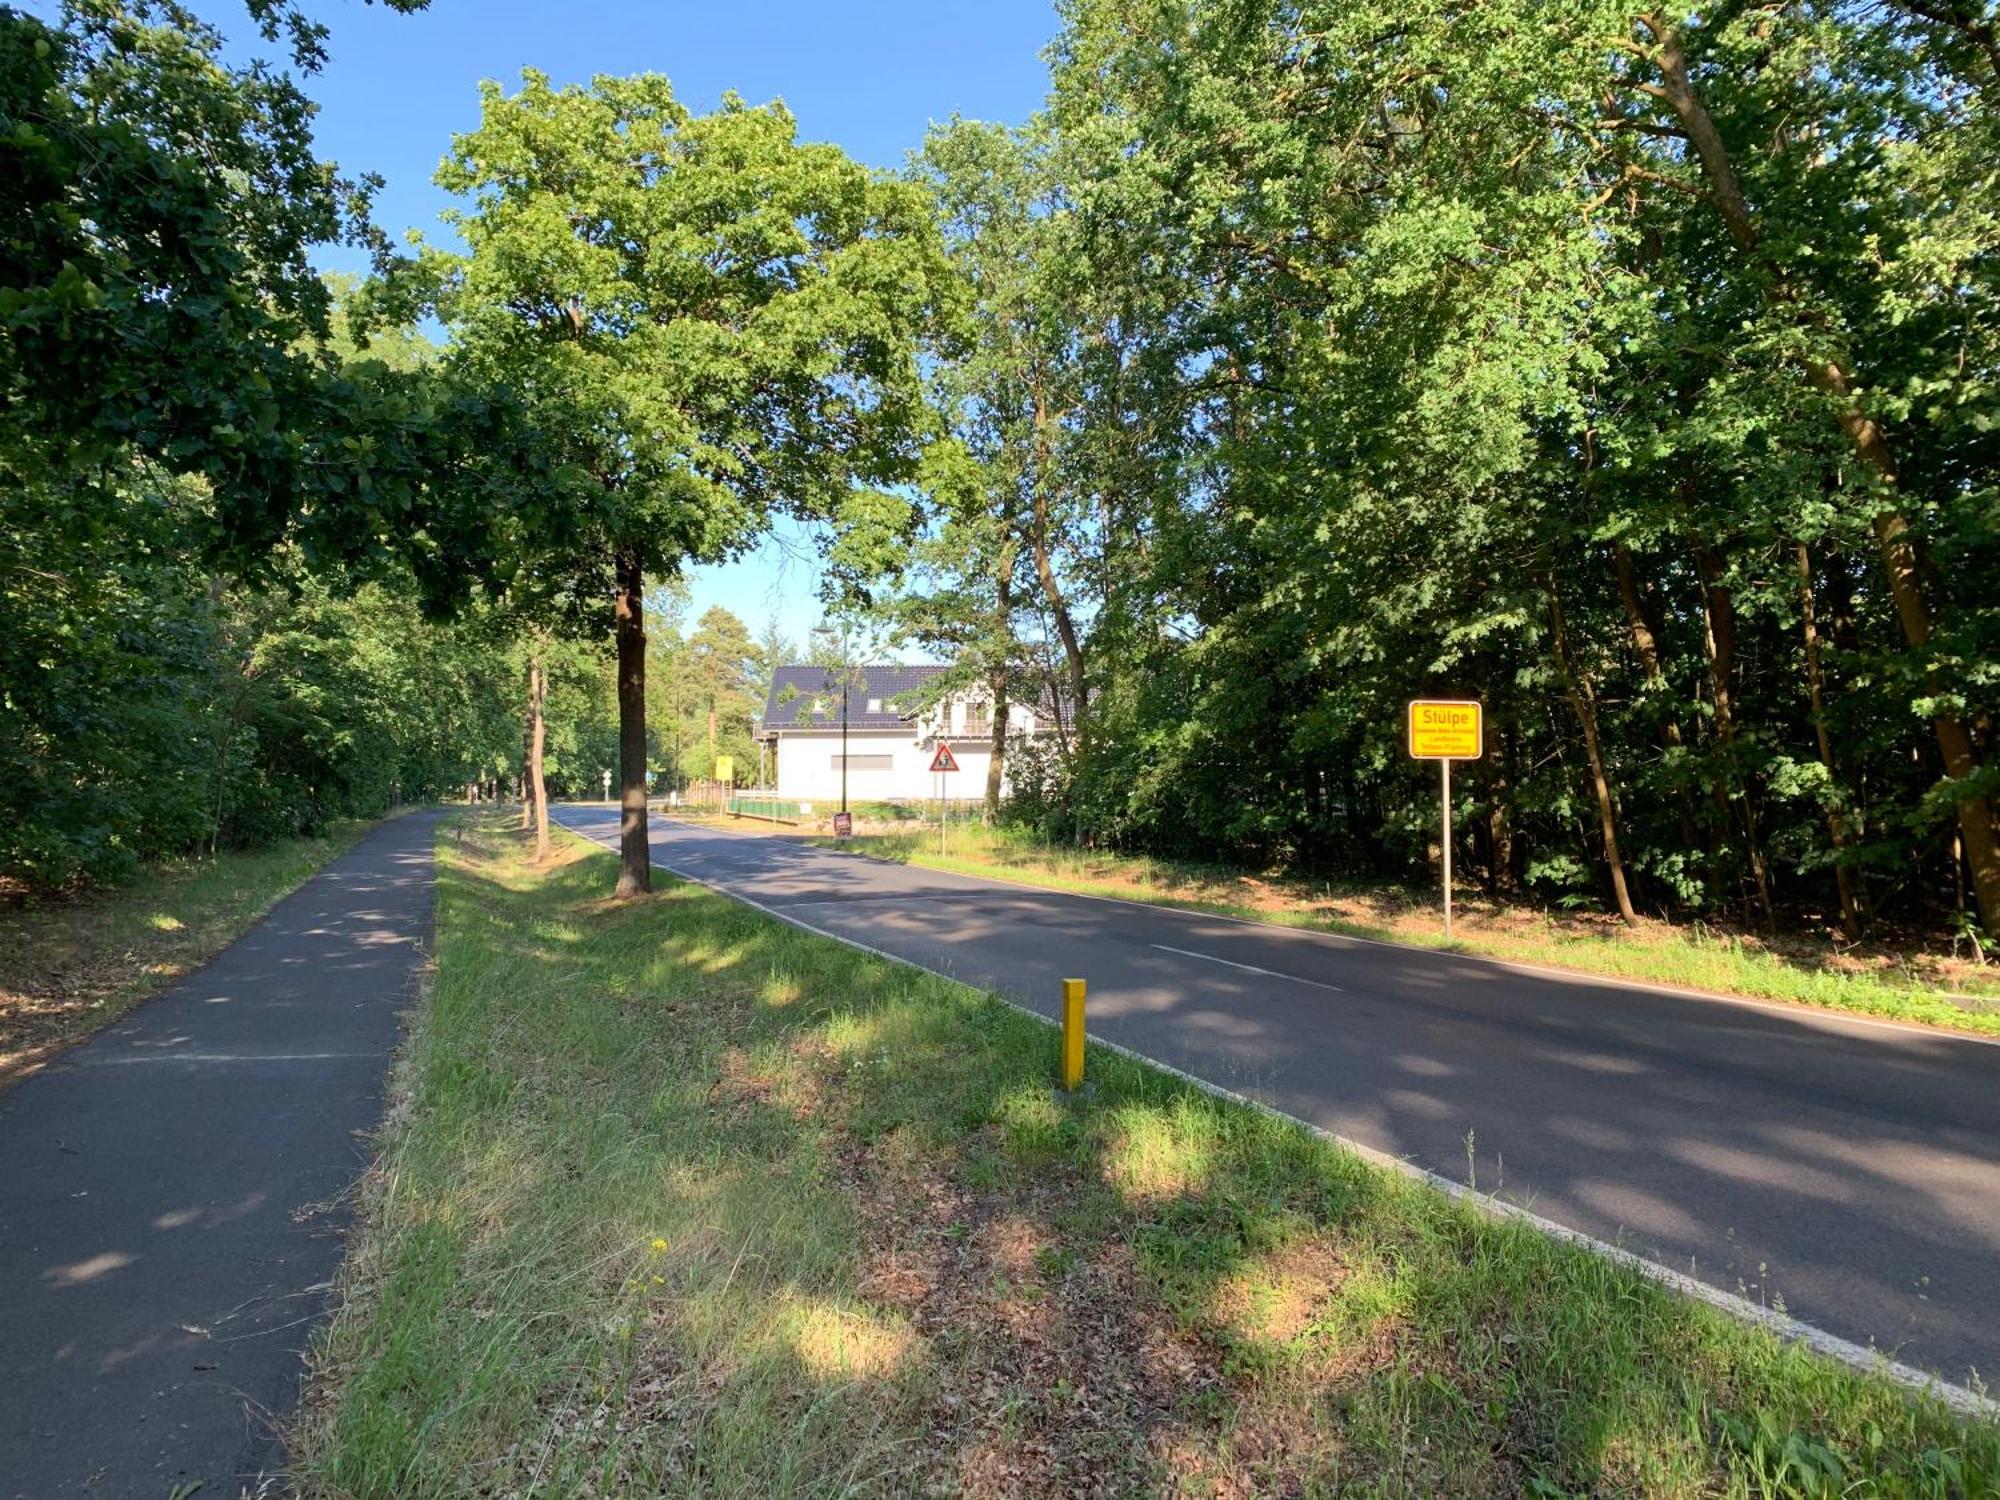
x=1445 y=730
x=941 y=763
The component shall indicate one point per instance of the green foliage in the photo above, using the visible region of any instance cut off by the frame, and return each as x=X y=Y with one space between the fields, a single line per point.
x=224 y=498
x=1335 y=355
x=158 y=304
x=1005 y=377
x=1635 y=374
x=581 y=713
x=154 y=279
x=706 y=689
x=716 y=319
x=153 y=708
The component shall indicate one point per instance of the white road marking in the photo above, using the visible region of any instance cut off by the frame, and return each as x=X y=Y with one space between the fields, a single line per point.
x=1230 y=963
x=1860 y=1357
x=1824 y=1018
x=217 y=1057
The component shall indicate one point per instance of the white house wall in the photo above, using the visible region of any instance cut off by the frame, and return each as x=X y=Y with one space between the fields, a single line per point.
x=809 y=769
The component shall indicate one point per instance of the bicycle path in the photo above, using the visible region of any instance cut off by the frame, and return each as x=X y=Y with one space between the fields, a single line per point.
x=173 y=1194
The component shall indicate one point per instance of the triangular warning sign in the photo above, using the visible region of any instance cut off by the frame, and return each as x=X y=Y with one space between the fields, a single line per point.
x=943 y=760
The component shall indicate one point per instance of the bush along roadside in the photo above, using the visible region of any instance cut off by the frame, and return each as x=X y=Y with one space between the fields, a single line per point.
x=682 y=1200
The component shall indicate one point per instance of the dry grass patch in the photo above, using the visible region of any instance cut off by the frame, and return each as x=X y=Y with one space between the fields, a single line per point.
x=1277 y=1298
x=845 y=1344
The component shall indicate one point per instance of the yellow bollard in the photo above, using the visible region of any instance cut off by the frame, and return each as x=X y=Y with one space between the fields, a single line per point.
x=1072 y=1034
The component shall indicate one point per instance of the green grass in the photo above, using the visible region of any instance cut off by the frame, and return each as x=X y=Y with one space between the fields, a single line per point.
x=1901 y=985
x=680 y=1200
x=68 y=968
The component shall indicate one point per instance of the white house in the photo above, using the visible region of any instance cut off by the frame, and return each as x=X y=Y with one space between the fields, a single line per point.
x=890 y=742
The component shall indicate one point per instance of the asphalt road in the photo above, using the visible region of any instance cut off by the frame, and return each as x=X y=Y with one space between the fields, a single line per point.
x=172 y=1194
x=1847 y=1170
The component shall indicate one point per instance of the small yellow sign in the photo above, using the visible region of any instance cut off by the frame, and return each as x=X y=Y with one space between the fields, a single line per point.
x=1445 y=730
x=725 y=769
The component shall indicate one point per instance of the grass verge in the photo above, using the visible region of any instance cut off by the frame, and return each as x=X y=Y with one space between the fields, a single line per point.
x=681 y=1200
x=1933 y=989
x=68 y=968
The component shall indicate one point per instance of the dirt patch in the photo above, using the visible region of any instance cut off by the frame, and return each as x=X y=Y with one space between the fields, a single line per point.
x=742 y=1086
x=1052 y=1369
x=69 y=986
x=1056 y=1368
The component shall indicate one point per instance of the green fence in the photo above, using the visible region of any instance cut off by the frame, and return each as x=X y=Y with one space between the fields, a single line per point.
x=777 y=809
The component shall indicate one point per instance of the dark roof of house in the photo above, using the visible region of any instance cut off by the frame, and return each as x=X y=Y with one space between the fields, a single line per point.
x=794 y=688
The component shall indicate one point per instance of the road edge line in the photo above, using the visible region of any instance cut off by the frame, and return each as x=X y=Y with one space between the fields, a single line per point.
x=1961 y=1399
x=1512 y=965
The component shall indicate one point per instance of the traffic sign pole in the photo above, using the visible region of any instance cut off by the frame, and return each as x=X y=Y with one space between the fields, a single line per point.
x=1444 y=731
x=942 y=762
x=1445 y=766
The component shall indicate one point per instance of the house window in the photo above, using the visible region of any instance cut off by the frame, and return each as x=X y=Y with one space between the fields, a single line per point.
x=874 y=705
x=978 y=718
x=865 y=762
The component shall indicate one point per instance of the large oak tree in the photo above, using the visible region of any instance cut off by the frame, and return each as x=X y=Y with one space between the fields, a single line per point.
x=720 y=320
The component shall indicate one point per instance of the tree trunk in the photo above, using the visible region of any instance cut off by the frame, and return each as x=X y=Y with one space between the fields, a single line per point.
x=538 y=788
x=528 y=751
x=1975 y=813
x=1499 y=838
x=1836 y=826
x=1003 y=609
x=1038 y=545
x=1645 y=644
x=220 y=801
x=1581 y=702
x=1892 y=532
x=996 y=763
x=635 y=864
x=1718 y=636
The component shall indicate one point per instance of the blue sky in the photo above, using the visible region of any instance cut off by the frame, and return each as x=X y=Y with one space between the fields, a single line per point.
x=870 y=75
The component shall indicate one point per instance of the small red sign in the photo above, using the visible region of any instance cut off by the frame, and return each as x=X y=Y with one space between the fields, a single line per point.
x=843 y=825
x=944 y=760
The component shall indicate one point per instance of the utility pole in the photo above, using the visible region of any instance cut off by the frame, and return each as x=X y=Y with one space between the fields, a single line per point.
x=830 y=640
